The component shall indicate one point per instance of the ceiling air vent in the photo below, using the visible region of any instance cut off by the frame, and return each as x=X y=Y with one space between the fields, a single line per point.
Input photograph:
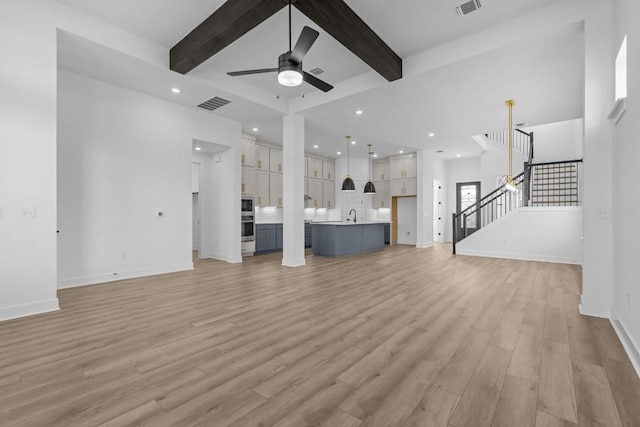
x=214 y=103
x=316 y=71
x=468 y=7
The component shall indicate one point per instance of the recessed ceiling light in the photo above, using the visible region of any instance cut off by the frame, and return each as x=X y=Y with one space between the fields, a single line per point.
x=458 y=155
x=353 y=143
x=175 y=90
x=198 y=148
x=432 y=134
x=338 y=153
x=255 y=129
x=401 y=151
x=358 y=112
x=315 y=146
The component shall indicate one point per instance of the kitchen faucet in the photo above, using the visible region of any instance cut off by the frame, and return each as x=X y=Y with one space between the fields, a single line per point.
x=355 y=216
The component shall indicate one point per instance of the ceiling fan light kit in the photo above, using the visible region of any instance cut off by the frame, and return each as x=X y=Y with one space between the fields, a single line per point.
x=289 y=74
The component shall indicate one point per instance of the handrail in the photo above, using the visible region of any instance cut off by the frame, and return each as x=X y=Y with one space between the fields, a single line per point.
x=556 y=163
x=493 y=192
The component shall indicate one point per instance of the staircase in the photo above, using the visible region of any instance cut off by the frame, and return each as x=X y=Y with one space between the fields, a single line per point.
x=540 y=185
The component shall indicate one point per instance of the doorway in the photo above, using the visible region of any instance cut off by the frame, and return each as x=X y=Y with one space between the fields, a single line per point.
x=407 y=219
x=467 y=195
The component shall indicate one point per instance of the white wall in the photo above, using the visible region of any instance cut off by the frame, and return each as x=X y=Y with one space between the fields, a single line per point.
x=558 y=141
x=122 y=158
x=551 y=234
x=28 y=163
x=597 y=277
x=626 y=153
x=459 y=170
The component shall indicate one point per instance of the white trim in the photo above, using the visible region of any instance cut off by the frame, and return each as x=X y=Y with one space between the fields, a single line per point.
x=424 y=245
x=633 y=351
x=299 y=262
x=523 y=257
x=595 y=310
x=618 y=110
x=229 y=259
x=103 y=278
x=29 y=309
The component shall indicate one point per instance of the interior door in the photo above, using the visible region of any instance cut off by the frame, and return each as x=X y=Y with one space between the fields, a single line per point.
x=407 y=220
x=467 y=195
x=437 y=211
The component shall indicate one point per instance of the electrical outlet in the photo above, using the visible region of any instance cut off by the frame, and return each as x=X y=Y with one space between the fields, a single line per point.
x=27 y=213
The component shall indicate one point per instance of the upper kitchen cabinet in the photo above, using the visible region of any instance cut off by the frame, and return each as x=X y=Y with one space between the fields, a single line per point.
x=382 y=198
x=275 y=160
x=403 y=167
x=262 y=188
x=262 y=158
x=314 y=190
x=248 y=157
x=314 y=168
x=248 y=180
x=328 y=170
x=275 y=190
x=328 y=194
x=381 y=171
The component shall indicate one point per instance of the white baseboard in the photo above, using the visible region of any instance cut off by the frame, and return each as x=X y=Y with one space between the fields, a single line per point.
x=293 y=262
x=595 y=310
x=523 y=257
x=29 y=309
x=220 y=257
x=73 y=282
x=424 y=245
x=632 y=349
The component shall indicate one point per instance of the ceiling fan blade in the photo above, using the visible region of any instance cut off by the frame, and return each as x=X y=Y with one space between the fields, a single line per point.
x=246 y=72
x=307 y=37
x=313 y=80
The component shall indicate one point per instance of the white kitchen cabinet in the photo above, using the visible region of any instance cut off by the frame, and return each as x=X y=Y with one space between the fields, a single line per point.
x=248 y=157
x=382 y=198
x=275 y=190
x=248 y=180
x=328 y=170
x=275 y=160
x=314 y=168
x=404 y=167
x=195 y=177
x=262 y=188
x=380 y=171
x=314 y=190
x=404 y=187
x=328 y=194
x=262 y=158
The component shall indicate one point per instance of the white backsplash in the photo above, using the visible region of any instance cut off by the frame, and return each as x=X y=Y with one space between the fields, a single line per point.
x=380 y=214
x=268 y=214
x=322 y=214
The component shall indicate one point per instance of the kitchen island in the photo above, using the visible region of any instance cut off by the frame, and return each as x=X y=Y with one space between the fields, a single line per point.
x=335 y=239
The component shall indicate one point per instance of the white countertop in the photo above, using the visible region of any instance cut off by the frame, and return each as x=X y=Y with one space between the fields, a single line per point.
x=350 y=222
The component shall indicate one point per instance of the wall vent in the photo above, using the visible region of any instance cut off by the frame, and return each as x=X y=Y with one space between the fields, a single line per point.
x=316 y=71
x=214 y=103
x=468 y=7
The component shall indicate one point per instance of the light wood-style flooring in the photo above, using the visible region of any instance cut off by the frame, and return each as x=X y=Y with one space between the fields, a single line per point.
x=402 y=337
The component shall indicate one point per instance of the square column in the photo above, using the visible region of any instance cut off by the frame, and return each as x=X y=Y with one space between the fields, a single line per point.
x=293 y=191
x=424 y=227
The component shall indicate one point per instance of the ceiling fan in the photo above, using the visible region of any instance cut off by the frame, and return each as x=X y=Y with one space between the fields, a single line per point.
x=289 y=69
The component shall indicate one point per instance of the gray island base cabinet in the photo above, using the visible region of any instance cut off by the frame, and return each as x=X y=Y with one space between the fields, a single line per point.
x=335 y=239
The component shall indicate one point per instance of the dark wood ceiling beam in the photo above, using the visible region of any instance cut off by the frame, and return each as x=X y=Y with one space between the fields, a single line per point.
x=227 y=24
x=339 y=20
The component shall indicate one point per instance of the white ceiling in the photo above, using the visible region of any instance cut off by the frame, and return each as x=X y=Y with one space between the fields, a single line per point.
x=543 y=74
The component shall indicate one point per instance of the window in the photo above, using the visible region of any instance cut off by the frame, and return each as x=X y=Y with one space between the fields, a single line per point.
x=620 y=104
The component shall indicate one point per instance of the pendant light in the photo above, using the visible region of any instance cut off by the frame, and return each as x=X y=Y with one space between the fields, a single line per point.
x=510 y=184
x=348 y=186
x=369 y=188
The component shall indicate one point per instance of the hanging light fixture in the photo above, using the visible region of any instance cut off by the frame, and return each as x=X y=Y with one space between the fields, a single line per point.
x=348 y=186
x=369 y=188
x=510 y=184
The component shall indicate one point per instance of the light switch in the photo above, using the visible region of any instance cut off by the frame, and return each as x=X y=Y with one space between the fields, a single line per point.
x=27 y=213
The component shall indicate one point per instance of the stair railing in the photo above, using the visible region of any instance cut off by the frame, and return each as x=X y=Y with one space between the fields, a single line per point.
x=491 y=207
